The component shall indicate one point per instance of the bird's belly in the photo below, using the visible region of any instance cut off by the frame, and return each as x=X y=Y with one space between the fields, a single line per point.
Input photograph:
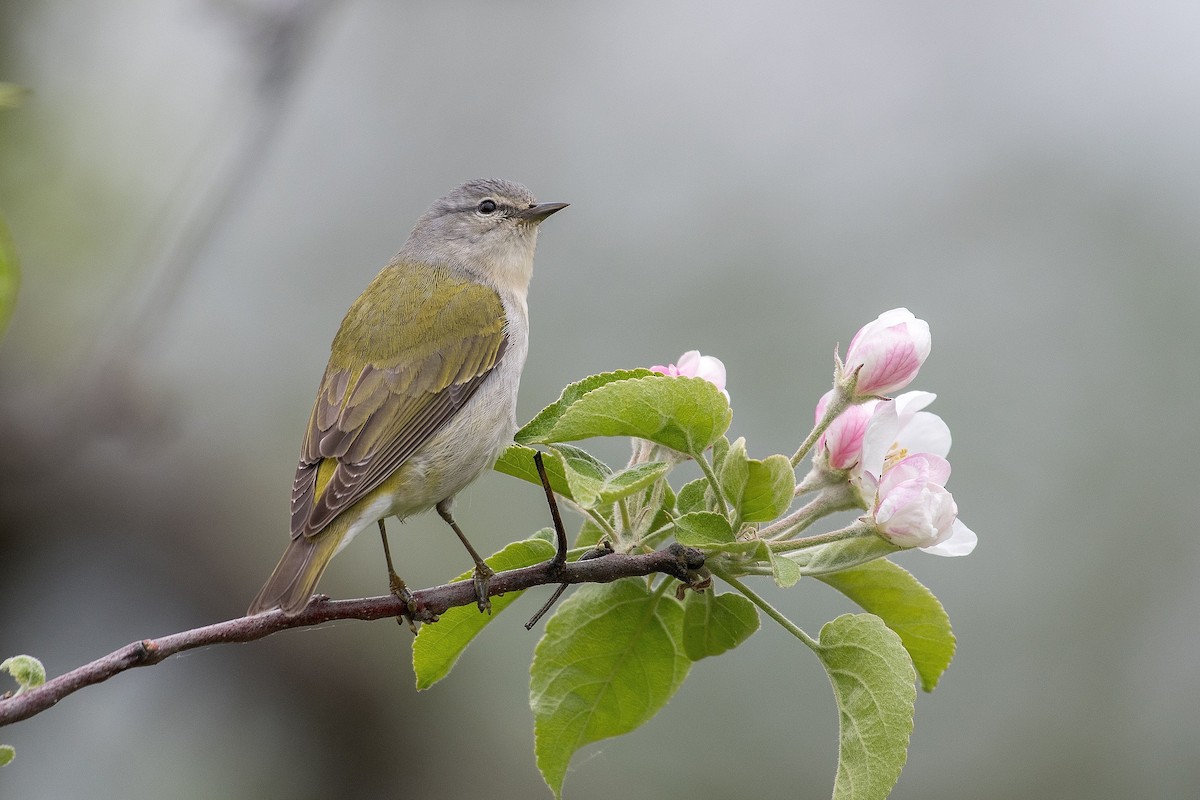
x=467 y=445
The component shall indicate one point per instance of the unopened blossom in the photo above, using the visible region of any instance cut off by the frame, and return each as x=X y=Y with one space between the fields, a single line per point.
x=867 y=436
x=693 y=365
x=888 y=352
x=842 y=442
x=912 y=507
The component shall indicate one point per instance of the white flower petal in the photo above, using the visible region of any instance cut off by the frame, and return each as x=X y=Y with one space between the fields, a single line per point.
x=961 y=542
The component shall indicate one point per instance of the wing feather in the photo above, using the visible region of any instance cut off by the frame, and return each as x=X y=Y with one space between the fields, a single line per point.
x=398 y=372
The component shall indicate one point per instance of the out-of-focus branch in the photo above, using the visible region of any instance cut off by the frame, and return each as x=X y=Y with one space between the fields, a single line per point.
x=680 y=562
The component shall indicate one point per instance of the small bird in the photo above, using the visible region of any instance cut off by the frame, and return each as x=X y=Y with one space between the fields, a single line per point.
x=419 y=396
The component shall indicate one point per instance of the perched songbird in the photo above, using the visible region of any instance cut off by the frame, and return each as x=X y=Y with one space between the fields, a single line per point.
x=420 y=393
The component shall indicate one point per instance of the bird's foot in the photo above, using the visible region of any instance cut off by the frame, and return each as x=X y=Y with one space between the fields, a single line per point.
x=414 y=610
x=483 y=581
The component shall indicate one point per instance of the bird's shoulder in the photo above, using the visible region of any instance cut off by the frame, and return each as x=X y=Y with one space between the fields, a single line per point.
x=411 y=311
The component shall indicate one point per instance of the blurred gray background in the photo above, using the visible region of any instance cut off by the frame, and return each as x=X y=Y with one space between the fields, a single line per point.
x=199 y=189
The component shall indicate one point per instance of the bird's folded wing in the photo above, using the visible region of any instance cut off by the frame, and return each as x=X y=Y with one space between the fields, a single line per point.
x=410 y=353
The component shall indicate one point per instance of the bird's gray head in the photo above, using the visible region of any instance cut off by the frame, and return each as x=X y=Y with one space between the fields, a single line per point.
x=486 y=228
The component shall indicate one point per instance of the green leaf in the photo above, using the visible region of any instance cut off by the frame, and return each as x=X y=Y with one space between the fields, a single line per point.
x=631 y=480
x=714 y=623
x=584 y=472
x=874 y=685
x=7 y=753
x=691 y=496
x=703 y=529
x=517 y=461
x=842 y=555
x=685 y=414
x=611 y=657
x=759 y=490
x=784 y=570
x=545 y=420
x=720 y=449
x=27 y=671
x=733 y=473
x=438 y=645
x=10 y=277
x=890 y=592
x=576 y=474
x=770 y=488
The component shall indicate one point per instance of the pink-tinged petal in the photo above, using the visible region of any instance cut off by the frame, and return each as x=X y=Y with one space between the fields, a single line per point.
x=919 y=466
x=693 y=365
x=961 y=542
x=712 y=369
x=888 y=352
x=822 y=404
x=689 y=363
x=915 y=513
x=844 y=438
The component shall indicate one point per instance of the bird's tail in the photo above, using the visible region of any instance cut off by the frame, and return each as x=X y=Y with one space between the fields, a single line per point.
x=291 y=584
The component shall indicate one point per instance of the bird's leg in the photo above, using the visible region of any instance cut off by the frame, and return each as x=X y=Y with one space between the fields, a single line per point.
x=483 y=573
x=413 y=613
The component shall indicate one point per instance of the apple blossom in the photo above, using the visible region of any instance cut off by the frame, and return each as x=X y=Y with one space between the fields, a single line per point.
x=913 y=509
x=842 y=442
x=866 y=436
x=887 y=352
x=693 y=365
x=898 y=428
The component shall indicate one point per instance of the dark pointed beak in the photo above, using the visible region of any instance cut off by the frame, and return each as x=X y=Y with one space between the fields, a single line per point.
x=539 y=212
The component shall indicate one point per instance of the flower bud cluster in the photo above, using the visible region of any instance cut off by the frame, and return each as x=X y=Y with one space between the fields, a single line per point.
x=892 y=453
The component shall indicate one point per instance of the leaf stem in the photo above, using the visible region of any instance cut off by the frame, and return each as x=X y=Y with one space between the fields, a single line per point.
x=769 y=610
x=833 y=498
x=851 y=532
x=711 y=476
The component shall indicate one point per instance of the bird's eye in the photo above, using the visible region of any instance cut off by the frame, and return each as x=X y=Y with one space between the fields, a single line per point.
x=487 y=207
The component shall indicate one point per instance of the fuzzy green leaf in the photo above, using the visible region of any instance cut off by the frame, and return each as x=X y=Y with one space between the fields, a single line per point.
x=874 y=685
x=7 y=753
x=714 y=623
x=631 y=480
x=545 y=420
x=685 y=414
x=733 y=472
x=584 y=472
x=842 y=555
x=890 y=592
x=692 y=496
x=611 y=657
x=784 y=570
x=439 y=644
x=703 y=529
x=27 y=671
x=517 y=461
x=770 y=488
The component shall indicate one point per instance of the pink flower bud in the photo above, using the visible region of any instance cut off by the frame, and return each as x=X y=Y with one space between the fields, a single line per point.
x=913 y=509
x=843 y=439
x=888 y=352
x=693 y=365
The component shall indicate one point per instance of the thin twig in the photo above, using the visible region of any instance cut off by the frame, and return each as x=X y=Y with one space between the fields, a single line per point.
x=677 y=561
x=560 y=533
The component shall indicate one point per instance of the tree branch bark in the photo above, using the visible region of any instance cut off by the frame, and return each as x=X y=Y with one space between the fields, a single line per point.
x=677 y=561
